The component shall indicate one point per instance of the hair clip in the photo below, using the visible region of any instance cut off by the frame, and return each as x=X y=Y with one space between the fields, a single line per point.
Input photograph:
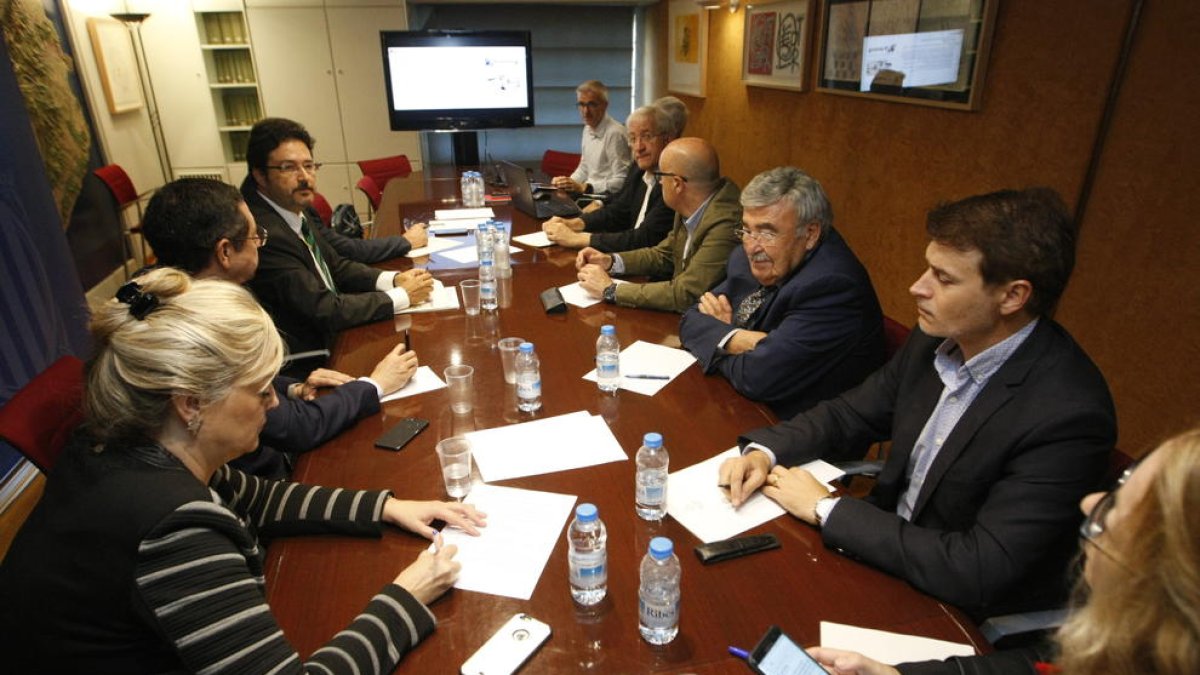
x=139 y=303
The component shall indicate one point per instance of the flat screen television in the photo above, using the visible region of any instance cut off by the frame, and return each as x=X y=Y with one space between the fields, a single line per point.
x=458 y=80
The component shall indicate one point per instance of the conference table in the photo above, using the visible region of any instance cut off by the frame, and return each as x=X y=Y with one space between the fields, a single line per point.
x=316 y=585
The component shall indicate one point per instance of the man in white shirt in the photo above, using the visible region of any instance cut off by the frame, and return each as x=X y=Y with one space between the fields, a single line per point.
x=310 y=290
x=605 y=152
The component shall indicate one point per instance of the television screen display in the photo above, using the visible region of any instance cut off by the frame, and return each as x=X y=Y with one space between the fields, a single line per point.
x=458 y=79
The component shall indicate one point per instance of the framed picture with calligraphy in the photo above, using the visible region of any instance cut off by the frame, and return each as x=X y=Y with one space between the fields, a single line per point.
x=688 y=47
x=929 y=52
x=775 y=48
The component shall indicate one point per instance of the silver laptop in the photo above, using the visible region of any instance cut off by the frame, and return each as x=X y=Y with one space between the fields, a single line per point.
x=539 y=204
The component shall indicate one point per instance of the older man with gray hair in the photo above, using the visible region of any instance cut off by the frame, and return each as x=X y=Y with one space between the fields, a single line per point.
x=605 y=159
x=796 y=320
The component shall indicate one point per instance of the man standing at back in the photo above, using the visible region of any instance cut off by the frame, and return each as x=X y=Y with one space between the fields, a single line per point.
x=692 y=258
x=796 y=320
x=309 y=289
x=605 y=153
x=999 y=422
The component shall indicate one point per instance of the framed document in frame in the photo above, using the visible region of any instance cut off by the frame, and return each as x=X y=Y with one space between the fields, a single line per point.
x=688 y=47
x=776 y=45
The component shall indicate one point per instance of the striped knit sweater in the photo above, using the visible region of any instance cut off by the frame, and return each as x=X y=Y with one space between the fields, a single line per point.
x=128 y=564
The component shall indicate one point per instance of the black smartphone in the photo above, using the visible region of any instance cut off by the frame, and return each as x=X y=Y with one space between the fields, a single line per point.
x=778 y=654
x=402 y=433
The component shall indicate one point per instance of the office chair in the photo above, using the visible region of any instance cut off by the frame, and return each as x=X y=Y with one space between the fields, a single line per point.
x=323 y=209
x=895 y=334
x=124 y=195
x=557 y=163
x=383 y=169
x=40 y=418
x=374 y=193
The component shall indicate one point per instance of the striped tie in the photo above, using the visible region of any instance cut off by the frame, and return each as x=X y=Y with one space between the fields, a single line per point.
x=311 y=241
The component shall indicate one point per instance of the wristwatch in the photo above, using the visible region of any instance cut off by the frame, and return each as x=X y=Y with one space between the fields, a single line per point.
x=610 y=293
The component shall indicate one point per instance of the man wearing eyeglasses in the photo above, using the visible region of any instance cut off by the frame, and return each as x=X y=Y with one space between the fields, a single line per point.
x=796 y=320
x=310 y=290
x=692 y=258
x=999 y=422
x=637 y=217
x=204 y=228
x=605 y=159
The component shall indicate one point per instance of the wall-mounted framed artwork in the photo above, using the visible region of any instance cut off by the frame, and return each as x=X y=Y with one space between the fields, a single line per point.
x=928 y=52
x=688 y=46
x=776 y=44
x=113 y=46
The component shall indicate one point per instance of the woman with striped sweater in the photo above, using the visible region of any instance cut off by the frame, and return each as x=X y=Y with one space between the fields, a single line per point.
x=143 y=554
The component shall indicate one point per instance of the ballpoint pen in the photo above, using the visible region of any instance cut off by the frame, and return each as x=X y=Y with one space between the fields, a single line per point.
x=649 y=377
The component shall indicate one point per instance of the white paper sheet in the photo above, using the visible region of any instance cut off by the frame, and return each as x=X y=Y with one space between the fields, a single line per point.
x=455 y=226
x=462 y=214
x=888 y=647
x=573 y=294
x=645 y=358
x=508 y=556
x=422 y=381
x=534 y=239
x=468 y=254
x=925 y=59
x=441 y=298
x=543 y=446
x=694 y=499
x=435 y=244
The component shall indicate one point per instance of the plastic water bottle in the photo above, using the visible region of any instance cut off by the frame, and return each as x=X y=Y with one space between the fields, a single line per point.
x=658 y=594
x=487 y=285
x=587 y=556
x=529 y=379
x=500 y=254
x=651 y=488
x=471 y=185
x=608 y=359
x=484 y=243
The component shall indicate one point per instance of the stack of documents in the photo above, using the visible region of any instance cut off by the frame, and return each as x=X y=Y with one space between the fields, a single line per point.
x=451 y=221
x=540 y=446
x=646 y=367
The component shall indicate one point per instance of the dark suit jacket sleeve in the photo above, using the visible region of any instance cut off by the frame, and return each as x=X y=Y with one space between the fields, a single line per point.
x=822 y=319
x=656 y=226
x=367 y=251
x=1007 y=662
x=299 y=426
x=618 y=213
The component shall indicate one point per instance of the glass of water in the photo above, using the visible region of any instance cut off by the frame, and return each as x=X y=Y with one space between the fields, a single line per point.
x=454 y=454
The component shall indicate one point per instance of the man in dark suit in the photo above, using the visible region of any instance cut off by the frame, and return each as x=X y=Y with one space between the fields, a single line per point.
x=796 y=320
x=637 y=217
x=999 y=422
x=204 y=228
x=310 y=290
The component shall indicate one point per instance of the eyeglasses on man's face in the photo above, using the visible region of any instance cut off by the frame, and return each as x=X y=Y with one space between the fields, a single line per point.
x=764 y=237
x=659 y=175
x=292 y=168
x=259 y=237
x=646 y=137
x=590 y=105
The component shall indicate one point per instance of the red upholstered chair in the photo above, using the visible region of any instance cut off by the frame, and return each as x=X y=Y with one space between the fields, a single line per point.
x=120 y=185
x=323 y=208
x=556 y=163
x=372 y=190
x=40 y=418
x=894 y=336
x=385 y=168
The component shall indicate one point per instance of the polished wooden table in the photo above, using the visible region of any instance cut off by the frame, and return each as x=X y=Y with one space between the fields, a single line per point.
x=316 y=585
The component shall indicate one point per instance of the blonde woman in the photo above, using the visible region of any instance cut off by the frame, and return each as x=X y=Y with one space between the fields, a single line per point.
x=1139 y=600
x=142 y=555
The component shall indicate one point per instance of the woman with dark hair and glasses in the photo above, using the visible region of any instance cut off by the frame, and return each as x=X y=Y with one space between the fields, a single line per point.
x=1137 y=606
x=143 y=555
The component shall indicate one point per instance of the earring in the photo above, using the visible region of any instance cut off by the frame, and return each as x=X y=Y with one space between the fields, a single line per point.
x=193 y=425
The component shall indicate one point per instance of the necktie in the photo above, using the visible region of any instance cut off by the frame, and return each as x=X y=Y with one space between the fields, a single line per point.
x=311 y=241
x=750 y=305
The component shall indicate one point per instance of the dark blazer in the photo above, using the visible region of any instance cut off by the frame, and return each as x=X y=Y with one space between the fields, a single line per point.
x=824 y=326
x=612 y=226
x=365 y=251
x=307 y=314
x=1022 y=661
x=994 y=525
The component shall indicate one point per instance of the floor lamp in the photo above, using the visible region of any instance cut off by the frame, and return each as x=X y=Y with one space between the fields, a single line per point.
x=133 y=21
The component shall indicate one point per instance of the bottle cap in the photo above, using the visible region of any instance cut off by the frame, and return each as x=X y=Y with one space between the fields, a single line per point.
x=661 y=547
x=608 y=330
x=652 y=440
x=526 y=347
x=586 y=513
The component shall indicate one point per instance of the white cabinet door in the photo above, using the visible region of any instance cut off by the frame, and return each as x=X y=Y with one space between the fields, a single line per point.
x=296 y=75
x=358 y=64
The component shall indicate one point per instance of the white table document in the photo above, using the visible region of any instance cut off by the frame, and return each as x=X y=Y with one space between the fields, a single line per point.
x=459 y=226
x=559 y=443
x=646 y=358
x=508 y=556
x=694 y=499
x=435 y=244
x=464 y=214
x=573 y=294
x=422 y=381
x=441 y=298
x=468 y=254
x=888 y=647
x=535 y=239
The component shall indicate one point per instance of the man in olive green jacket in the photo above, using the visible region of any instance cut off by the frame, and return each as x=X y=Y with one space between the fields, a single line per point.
x=693 y=256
